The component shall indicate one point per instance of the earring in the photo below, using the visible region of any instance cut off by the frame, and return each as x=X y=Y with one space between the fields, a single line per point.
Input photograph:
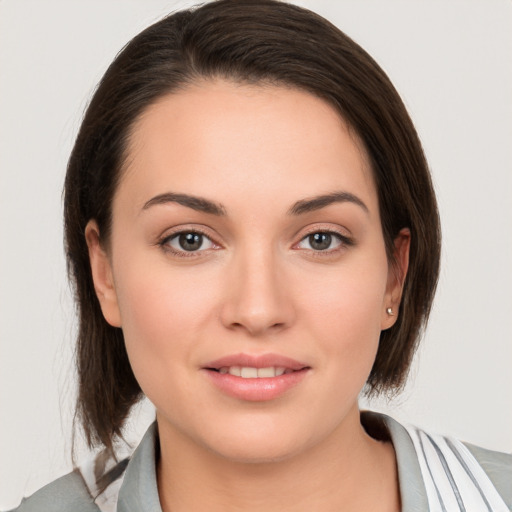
x=389 y=311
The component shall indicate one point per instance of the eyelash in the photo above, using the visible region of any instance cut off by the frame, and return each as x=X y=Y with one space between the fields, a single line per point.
x=164 y=243
x=344 y=242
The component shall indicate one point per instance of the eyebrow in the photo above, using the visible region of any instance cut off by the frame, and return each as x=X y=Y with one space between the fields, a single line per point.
x=199 y=204
x=319 y=202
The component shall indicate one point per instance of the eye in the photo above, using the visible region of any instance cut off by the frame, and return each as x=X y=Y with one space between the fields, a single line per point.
x=322 y=241
x=188 y=241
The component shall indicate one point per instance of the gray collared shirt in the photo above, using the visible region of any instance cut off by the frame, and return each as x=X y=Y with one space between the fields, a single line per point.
x=138 y=490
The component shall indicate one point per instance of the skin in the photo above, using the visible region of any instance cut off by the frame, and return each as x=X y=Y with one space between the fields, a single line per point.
x=256 y=285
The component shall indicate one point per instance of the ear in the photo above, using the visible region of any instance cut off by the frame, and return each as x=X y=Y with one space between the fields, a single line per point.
x=102 y=275
x=396 y=278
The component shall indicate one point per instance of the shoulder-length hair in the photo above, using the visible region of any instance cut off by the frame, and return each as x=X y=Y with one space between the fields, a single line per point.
x=247 y=41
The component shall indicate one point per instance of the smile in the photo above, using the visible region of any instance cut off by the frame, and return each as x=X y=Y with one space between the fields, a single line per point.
x=248 y=372
x=255 y=378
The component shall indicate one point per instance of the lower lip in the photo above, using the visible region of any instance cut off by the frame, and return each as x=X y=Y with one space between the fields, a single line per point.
x=256 y=390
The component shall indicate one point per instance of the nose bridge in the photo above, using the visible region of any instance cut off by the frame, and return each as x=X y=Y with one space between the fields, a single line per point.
x=257 y=300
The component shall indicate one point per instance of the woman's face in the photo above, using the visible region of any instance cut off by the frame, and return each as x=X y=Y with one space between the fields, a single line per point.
x=246 y=242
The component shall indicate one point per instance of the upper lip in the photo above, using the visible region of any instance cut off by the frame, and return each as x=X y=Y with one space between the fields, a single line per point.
x=256 y=361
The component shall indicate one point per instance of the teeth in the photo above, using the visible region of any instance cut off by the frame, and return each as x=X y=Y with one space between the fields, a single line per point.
x=247 y=372
x=235 y=370
x=266 y=372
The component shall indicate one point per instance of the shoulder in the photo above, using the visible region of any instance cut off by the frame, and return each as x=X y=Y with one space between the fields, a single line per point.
x=66 y=494
x=498 y=467
x=456 y=473
x=95 y=486
x=441 y=473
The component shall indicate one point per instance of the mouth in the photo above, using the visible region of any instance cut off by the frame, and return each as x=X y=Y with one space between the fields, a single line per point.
x=250 y=372
x=255 y=378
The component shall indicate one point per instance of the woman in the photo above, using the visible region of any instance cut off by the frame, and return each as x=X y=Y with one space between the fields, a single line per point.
x=253 y=238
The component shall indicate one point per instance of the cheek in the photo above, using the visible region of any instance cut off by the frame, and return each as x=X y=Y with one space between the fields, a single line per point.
x=162 y=312
x=344 y=311
x=349 y=300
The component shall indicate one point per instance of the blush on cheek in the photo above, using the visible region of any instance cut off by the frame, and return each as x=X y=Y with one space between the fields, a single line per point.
x=348 y=318
x=162 y=315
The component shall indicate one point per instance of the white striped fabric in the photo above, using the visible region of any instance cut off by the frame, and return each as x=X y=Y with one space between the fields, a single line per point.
x=453 y=478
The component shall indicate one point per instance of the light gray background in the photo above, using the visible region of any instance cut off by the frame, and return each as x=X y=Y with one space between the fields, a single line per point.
x=451 y=61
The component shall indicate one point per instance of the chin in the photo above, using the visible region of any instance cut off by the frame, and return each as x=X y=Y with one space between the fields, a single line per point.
x=258 y=445
x=258 y=453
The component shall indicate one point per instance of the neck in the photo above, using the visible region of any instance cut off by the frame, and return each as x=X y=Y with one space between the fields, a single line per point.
x=348 y=471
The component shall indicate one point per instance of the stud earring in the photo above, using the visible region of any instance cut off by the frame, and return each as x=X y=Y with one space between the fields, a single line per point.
x=389 y=311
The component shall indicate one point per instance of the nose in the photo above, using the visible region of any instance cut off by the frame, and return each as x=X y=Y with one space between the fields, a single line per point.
x=257 y=298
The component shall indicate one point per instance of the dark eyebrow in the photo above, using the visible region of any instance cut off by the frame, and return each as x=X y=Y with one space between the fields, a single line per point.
x=318 y=202
x=196 y=203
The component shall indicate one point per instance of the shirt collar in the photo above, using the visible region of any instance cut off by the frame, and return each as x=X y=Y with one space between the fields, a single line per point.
x=139 y=489
x=413 y=494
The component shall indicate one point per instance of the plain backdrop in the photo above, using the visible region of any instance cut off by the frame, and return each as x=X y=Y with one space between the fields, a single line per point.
x=452 y=64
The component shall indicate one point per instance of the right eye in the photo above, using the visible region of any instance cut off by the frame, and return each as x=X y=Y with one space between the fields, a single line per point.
x=188 y=241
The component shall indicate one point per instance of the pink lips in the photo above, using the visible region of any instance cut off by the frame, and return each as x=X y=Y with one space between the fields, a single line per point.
x=255 y=389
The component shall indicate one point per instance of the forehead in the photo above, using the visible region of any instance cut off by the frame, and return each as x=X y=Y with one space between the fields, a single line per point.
x=234 y=140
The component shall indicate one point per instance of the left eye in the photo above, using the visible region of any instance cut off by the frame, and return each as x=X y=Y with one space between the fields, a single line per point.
x=189 y=242
x=320 y=241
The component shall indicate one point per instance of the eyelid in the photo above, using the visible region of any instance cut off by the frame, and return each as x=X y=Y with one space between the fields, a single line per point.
x=340 y=231
x=163 y=240
x=205 y=240
x=344 y=239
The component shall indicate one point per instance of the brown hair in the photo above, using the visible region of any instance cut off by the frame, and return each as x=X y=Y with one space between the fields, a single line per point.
x=248 y=41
